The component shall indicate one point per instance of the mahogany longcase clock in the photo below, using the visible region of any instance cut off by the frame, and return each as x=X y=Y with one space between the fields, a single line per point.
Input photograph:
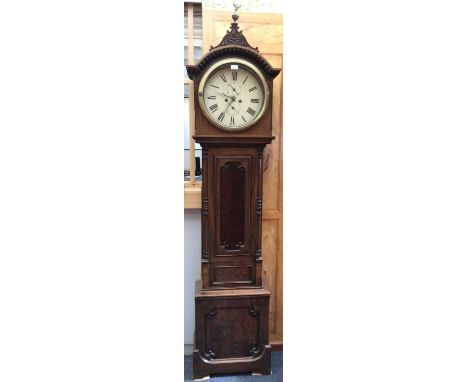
x=233 y=87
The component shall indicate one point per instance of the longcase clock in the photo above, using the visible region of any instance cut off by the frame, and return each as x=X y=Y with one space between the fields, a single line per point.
x=233 y=87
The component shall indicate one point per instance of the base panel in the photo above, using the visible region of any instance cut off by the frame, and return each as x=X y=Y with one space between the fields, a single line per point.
x=231 y=332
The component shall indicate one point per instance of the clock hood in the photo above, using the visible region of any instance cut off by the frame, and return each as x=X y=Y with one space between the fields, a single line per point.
x=233 y=43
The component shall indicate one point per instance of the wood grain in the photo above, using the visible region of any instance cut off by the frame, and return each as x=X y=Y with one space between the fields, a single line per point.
x=264 y=31
x=232 y=333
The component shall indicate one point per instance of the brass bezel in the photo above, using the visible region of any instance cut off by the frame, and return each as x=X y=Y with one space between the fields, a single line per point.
x=257 y=73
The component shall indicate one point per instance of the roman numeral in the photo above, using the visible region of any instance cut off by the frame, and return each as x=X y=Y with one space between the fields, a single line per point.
x=212 y=97
x=232 y=121
x=217 y=87
x=254 y=100
x=221 y=117
x=244 y=119
x=234 y=75
x=252 y=89
x=245 y=79
x=251 y=111
x=223 y=77
x=214 y=107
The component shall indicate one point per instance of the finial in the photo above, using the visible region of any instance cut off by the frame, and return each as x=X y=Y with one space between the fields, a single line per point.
x=234 y=36
x=235 y=16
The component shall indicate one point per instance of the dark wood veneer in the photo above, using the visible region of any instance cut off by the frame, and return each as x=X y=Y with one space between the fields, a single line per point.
x=231 y=333
x=231 y=220
x=233 y=188
x=232 y=182
x=240 y=274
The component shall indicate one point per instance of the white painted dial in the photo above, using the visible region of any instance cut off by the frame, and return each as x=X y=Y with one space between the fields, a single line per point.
x=233 y=96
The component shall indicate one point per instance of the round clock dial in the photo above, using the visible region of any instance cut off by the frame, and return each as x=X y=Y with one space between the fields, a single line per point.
x=233 y=94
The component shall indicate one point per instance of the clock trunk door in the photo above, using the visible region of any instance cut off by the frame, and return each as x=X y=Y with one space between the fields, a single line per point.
x=234 y=184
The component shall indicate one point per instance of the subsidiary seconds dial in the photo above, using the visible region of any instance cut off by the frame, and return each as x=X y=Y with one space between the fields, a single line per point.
x=233 y=94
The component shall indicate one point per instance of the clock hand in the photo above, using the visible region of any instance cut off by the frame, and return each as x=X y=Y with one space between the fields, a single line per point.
x=225 y=95
x=235 y=106
x=229 y=104
x=234 y=89
x=233 y=98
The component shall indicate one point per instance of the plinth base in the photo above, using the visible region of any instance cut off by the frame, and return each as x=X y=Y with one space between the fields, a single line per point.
x=231 y=332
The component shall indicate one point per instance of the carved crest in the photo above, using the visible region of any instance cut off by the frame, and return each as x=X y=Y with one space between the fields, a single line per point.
x=234 y=36
x=233 y=43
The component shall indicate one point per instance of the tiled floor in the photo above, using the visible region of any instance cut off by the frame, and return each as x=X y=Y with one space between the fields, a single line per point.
x=276 y=372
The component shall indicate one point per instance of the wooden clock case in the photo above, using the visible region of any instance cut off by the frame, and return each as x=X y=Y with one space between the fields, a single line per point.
x=231 y=302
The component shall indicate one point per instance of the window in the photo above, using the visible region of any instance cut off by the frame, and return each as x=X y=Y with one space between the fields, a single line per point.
x=192 y=53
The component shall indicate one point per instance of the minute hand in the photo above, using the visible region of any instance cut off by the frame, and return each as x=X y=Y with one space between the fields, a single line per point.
x=234 y=89
x=225 y=95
